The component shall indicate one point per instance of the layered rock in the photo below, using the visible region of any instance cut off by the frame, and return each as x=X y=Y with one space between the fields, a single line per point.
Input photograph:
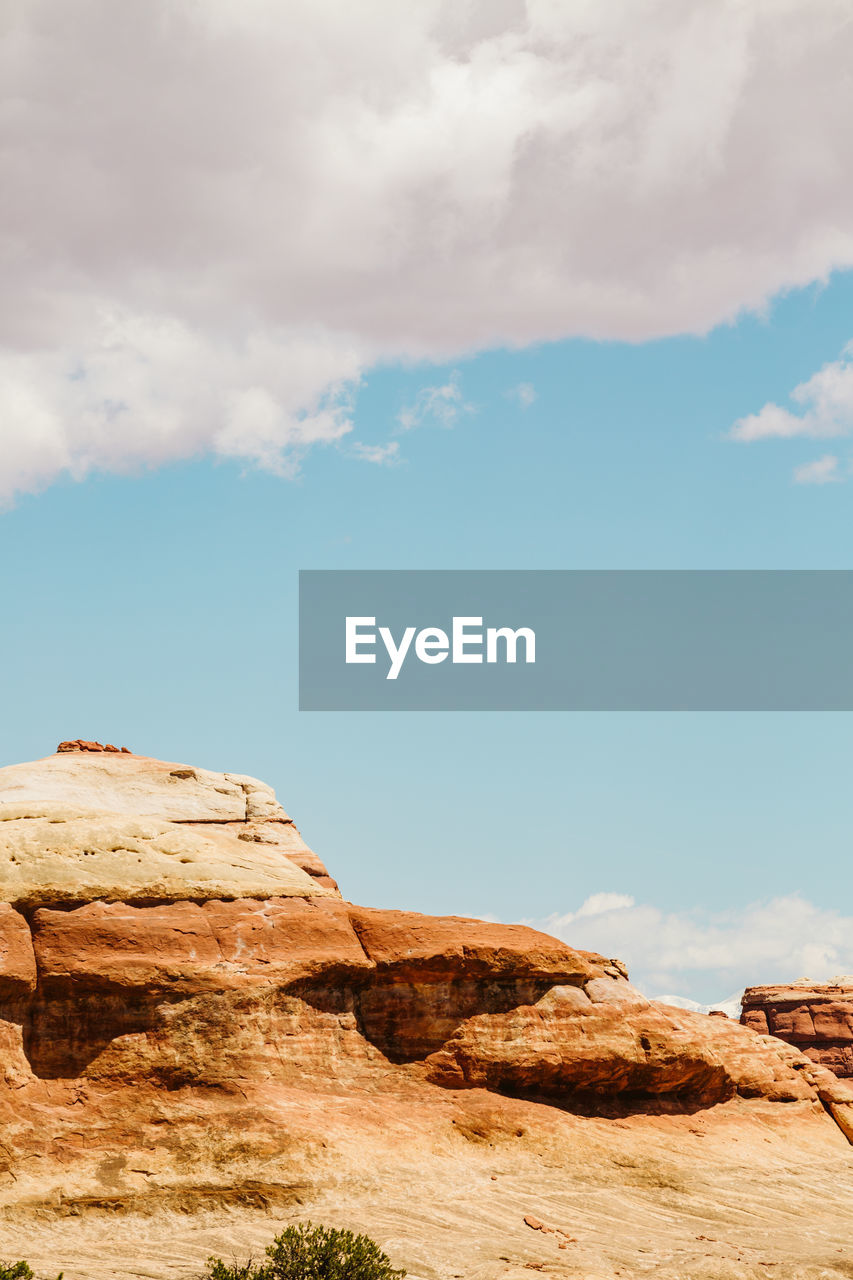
x=816 y=1018
x=18 y=975
x=188 y=1009
x=80 y=826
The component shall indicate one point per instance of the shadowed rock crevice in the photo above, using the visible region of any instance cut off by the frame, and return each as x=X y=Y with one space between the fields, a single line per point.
x=62 y=1037
x=409 y=1021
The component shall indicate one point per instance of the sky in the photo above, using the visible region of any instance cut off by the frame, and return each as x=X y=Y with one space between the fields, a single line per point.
x=484 y=285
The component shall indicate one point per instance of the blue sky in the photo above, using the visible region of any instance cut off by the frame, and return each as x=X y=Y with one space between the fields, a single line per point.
x=159 y=609
x=482 y=285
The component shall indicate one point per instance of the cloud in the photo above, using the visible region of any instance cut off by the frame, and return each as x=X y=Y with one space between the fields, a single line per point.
x=524 y=393
x=148 y=389
x=439 y=406
x=826 y=401
x=731 y=1006
x=707 y=954
x=290 y=194
x=822 y=471
x=596 y=905
x=384 y=455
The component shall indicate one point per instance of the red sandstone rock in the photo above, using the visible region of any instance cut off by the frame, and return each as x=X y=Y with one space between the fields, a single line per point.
x=292 y=1042
x=17 y=962
x=407 y=945
x=816 y=1018
x=289 y=939
x=476 y=1003
x=565 y=1045
x=186 y=947
x=102 y=946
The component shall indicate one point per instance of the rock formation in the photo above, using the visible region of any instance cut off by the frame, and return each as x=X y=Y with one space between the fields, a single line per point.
x=192 y=1016
x=816 y=1018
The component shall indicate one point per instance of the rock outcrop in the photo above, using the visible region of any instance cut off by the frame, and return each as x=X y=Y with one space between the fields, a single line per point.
x=78 y=826
x=191 y=1014
x=817 y=1018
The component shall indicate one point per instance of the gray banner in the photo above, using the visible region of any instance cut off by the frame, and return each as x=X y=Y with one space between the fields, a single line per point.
x=619 y=640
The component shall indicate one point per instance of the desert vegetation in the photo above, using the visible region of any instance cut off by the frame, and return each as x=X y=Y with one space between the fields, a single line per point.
x=18 y=1271
x=308 y=1252
x=302 y=1252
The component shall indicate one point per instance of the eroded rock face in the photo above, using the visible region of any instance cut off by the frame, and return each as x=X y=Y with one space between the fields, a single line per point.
x=230 y=1021
x=466 y=1003
x=816 y=1018
x=189 y=948
x=127 y=784
x=85 y=825
x=17 y=960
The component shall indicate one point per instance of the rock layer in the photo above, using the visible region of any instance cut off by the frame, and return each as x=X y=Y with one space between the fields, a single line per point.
x=81 y=826
x=816 y=1018
x=229 y=1026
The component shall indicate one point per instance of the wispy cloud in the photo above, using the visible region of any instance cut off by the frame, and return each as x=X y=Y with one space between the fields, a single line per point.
x=824 y=408
x=383 y=455
x=822 y=471
x=435 y=406
x=706 y=954
x=524 y=393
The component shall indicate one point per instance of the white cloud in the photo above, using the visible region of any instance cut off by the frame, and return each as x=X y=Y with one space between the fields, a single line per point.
x=439 y=406
x=384 y=455
x=731 y=1006
x=265 y=199
x=596 y=905
x=148 y=389
x=706 y=954
x=822 y=471
x=826 y=401
x=524 y=393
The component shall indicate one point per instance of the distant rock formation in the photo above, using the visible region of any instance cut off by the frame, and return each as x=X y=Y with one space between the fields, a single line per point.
x=815 y=1017
x=189 y=1009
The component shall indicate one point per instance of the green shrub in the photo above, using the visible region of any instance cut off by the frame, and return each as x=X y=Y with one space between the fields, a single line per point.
x=218 y=1270
x=306 y=1252
x=17 y=1271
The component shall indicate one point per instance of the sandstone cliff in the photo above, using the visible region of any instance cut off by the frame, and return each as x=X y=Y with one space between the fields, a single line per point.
x=192 y=1016
x=816 y=1018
